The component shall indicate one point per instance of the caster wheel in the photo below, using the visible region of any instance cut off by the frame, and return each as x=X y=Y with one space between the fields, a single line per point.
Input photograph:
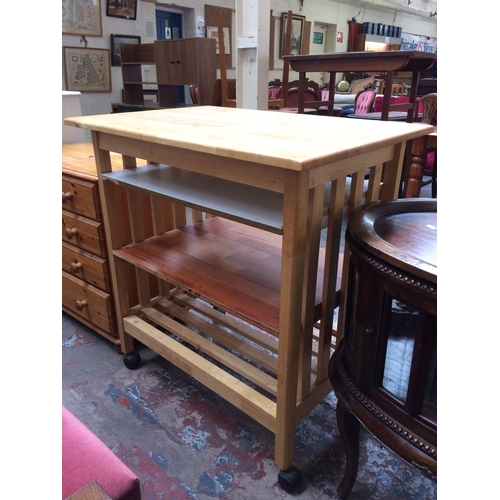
x=290 y=479
x=132 y=360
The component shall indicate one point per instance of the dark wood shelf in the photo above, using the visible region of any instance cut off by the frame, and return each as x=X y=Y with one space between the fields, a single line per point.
x=230 y=265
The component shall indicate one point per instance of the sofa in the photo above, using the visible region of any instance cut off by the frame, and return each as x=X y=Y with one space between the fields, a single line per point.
x=85 y=458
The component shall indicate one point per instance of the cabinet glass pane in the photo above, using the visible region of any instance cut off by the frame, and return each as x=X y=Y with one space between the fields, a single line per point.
x=429 y=406
x=402 y=331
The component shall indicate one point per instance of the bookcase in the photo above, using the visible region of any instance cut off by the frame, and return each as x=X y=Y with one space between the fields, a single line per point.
x=186 y=61
x=133 y=59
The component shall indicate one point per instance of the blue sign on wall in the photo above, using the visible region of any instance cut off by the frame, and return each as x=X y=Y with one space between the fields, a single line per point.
x=317 y=37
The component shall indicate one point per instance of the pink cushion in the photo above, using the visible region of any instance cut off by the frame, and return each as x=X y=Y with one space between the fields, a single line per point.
x=272 y=92
x=86 y=458
x=395 y=99
x=429 y=161
x=363 y=103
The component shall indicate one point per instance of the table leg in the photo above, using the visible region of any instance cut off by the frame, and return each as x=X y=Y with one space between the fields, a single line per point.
x=387 y=96
x=349 y=432
x=291 y=300
x=416 y=168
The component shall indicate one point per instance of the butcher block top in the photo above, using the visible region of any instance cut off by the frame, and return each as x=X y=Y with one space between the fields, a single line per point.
x=290 y=141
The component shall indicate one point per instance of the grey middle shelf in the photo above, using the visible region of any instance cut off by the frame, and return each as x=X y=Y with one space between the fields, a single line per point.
x=250 y=205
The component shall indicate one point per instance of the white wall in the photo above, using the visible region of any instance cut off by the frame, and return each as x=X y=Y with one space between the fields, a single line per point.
x=329 y=12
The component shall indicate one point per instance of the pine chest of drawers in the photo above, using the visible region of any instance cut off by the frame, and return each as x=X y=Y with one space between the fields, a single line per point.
x=86 y=284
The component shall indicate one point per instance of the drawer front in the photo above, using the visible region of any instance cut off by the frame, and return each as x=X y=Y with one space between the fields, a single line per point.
x=84 y=265
x=89 y=302
x=83 y=233
x=81 y=197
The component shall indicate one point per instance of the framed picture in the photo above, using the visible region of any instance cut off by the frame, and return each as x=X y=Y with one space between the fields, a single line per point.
x=115 y=46
x=126 y=9
x=297 y=33
x=87 y=70
x=81 y=17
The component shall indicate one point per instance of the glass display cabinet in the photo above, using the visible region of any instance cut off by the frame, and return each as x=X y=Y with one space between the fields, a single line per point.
x=384 y=371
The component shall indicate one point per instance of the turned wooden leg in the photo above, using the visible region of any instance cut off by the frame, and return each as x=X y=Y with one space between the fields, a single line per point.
x=416 y=168
x=349 y=432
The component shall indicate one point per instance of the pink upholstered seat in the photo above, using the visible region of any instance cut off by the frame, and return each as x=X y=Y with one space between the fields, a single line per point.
x=272 y=92
x=293 y=98
x=86 y=458
x=364 y=101
x=379 y=102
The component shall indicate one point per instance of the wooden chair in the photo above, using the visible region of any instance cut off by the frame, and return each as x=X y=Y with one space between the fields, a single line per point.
x=312 y=96
x=398 y=89
x=363 y=103
x=381 y=86
x=428 y=108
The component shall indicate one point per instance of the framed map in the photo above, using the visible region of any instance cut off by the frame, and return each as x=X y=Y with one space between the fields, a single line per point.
x=81 y=17
x=87 y=70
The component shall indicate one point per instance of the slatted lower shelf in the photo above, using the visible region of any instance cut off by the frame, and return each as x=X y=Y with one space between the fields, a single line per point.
x=234 y=359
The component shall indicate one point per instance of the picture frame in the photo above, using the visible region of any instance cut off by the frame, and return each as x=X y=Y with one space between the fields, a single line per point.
x=297 y=34
x=84 y=19
x=125 y=9
x=86 y=69
x=116 y=40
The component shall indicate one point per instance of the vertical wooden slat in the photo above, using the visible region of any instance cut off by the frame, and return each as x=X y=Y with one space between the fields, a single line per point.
x=141 y=228
x=333 y=238
x=357 y=191
x=121 y=295
x=315 y=213
x=374 y=188
x=196 y=216
x=163 y=221
x=391 y=177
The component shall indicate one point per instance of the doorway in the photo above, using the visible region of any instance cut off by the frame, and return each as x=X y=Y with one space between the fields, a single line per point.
x=169 y=27
x=323 y=41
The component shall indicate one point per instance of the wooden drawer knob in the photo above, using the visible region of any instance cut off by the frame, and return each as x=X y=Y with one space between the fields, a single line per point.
x=76 y=267
x=67 y=197
x=80 y=304
x=69 y=233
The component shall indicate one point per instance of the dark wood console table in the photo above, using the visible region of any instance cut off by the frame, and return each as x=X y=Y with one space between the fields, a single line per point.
x=368 y=62
x=384 y=371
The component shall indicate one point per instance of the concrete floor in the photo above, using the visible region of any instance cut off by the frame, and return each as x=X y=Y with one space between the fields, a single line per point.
x=185 y=442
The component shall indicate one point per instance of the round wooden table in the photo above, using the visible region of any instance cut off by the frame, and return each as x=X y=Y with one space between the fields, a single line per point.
x=384 y=371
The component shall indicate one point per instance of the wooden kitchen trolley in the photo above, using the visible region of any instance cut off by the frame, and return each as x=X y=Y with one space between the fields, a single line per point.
x=215 y=243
